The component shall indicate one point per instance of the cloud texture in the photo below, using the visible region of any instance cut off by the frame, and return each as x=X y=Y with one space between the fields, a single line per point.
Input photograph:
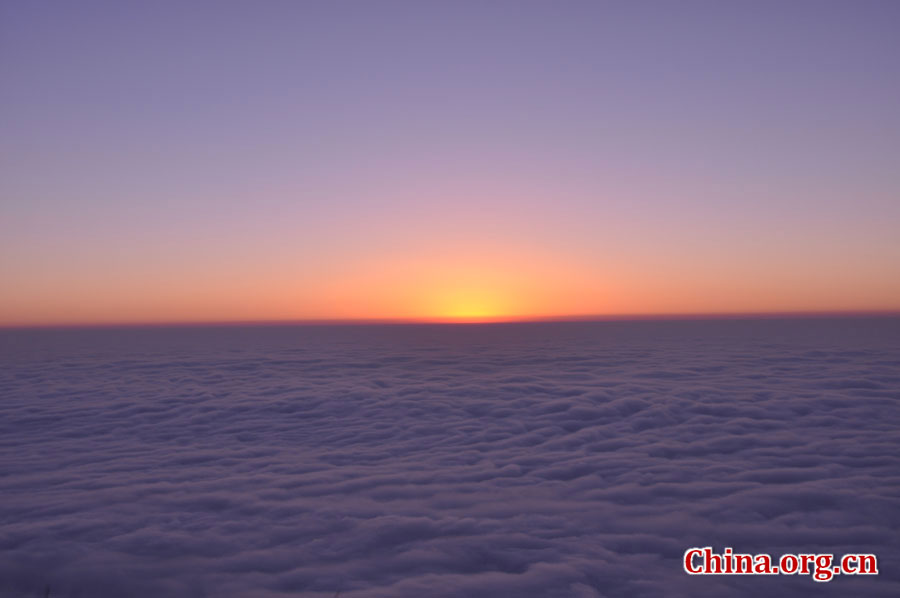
x=542 y=460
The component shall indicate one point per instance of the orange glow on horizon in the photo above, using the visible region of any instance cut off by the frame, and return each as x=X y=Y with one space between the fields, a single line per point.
x=484 y=283
x=477 y=286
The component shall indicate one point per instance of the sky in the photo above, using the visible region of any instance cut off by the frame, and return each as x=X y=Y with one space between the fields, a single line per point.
x=243 y=161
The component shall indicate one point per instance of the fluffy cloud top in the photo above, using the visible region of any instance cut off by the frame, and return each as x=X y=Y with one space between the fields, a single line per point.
x=512 y=460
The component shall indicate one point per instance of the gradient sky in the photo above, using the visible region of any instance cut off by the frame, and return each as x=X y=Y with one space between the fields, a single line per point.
x=184 y=161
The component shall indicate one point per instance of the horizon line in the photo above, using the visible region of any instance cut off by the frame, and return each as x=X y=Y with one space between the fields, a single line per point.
x=655 y=317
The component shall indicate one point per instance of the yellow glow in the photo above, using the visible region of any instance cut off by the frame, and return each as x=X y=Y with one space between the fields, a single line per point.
x=472 y=286
x=471 y=305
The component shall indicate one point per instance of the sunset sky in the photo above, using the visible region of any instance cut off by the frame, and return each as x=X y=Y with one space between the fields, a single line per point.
x=243 y=161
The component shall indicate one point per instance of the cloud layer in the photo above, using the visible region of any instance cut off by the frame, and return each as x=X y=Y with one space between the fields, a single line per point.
x=512 y=460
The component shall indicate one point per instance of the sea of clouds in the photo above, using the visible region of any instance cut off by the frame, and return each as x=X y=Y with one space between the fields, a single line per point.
x=542 y=460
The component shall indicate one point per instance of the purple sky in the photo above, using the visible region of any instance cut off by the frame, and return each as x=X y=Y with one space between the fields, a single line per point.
x=637 y=157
